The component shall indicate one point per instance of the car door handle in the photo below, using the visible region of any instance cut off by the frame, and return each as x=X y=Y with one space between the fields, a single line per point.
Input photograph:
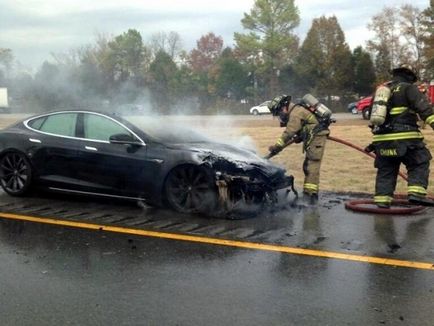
x=34 y=140
x=90 y=148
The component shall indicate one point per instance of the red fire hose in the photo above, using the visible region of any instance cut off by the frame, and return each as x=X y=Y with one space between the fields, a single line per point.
x=368 y=205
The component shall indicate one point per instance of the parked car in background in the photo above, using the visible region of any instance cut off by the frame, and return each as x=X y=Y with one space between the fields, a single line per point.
x=261 y=109
x=352 y=107
x=363 y=106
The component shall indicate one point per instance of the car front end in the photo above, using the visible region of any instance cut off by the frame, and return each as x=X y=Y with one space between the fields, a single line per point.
x=243 y=177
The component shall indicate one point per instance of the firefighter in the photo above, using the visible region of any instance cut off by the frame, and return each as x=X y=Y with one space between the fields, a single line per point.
x=302 y=125
x=397 y=138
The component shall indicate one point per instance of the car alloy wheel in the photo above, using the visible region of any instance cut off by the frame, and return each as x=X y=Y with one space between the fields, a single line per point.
x=191 y=189
x=15 y=174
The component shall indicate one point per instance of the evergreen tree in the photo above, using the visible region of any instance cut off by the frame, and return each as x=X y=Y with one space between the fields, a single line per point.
x=364 y=72
x=126 y=56
x=161 y=81
x=271 y=42
x=324 y=64
x=229 y=77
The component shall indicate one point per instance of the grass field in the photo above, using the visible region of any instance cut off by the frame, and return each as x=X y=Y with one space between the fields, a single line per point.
x=343 y=169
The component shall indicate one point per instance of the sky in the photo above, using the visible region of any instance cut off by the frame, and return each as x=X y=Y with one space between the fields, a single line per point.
x=34 y=29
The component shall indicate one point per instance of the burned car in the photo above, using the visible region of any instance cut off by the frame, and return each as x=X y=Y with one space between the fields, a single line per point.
x=92 y=153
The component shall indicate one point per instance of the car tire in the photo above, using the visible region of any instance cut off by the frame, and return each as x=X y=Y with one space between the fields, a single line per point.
x=255 y=112
x=191 y=189
x=366 y=113
x=15 y=174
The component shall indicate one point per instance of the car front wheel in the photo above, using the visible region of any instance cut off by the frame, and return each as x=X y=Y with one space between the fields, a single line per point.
x=15 y=174
x=255 y=112
x=191 y=189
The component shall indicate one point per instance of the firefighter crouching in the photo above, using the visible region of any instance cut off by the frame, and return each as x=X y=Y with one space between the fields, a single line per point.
x=305 y=122
x=397 y=138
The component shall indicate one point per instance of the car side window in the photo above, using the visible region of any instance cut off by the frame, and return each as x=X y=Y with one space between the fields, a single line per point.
x=97 y=127
x=36 y=123
x=62 y=124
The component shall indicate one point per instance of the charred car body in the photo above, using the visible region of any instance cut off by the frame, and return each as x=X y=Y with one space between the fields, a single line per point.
x=92 y=153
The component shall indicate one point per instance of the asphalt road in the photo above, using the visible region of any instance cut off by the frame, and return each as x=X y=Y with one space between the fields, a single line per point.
x=148 y=266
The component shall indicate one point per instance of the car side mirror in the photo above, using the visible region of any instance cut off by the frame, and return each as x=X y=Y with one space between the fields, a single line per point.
x=124 y=139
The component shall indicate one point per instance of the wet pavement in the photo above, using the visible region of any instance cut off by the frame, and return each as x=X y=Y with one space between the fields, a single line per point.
x=54 y=274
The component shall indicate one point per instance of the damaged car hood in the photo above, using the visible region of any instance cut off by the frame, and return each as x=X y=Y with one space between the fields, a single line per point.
x=225 y=156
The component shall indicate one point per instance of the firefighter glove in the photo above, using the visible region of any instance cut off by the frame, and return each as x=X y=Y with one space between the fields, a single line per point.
x=274 y=149
x=297 y=139
x=370 y=148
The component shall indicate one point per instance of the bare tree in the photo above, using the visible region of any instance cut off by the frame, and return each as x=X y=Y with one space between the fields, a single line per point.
x=428 y=40
x=171 y=43
x=70 y=58
x=385 y=45
x=399 y=36
x=412 y=30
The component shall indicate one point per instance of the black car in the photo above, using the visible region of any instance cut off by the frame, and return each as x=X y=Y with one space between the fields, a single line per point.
x=86 y=152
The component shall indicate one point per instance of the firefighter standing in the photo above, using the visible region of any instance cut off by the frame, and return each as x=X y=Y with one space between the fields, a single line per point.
x=302 y=125
x=397 y=139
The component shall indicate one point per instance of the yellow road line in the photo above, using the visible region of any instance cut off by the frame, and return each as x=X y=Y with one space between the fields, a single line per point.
x=223 y=242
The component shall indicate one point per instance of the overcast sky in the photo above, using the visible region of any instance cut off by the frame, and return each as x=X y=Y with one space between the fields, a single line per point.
x=35 y=28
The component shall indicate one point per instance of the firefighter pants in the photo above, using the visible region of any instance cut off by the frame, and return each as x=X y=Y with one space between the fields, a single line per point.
x=312 y=164
x=416 y=158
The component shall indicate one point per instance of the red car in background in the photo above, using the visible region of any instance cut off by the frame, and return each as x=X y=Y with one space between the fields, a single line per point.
x=363 y=106
x=430 y=92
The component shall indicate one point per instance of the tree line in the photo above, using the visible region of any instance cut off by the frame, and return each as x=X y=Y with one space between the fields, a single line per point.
x=268 y=59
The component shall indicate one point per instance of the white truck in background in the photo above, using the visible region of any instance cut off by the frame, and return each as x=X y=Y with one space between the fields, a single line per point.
x=4 y=104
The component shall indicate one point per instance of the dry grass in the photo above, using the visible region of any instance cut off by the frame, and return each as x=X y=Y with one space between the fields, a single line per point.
x=343 y=168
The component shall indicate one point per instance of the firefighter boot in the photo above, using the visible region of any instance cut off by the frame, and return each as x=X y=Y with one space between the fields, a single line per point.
x=420 y=200
x=383 y=201
x=310 y=198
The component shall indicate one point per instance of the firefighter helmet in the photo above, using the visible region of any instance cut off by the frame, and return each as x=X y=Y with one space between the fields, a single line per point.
x=407 y=70
x=278 y=103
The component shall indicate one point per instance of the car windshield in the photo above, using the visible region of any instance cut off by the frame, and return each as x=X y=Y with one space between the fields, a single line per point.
x=168 y=132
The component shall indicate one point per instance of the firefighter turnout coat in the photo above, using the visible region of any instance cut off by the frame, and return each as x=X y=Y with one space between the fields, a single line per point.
x=303 y=124
x=399 y=140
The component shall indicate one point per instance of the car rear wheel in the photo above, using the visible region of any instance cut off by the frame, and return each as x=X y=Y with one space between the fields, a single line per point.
x=366 y=113
x=191 y=189
x=15 y=174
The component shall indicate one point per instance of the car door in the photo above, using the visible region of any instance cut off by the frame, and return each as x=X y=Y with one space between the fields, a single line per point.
x=54 y=149
x=263 y=108
x=110 y=168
